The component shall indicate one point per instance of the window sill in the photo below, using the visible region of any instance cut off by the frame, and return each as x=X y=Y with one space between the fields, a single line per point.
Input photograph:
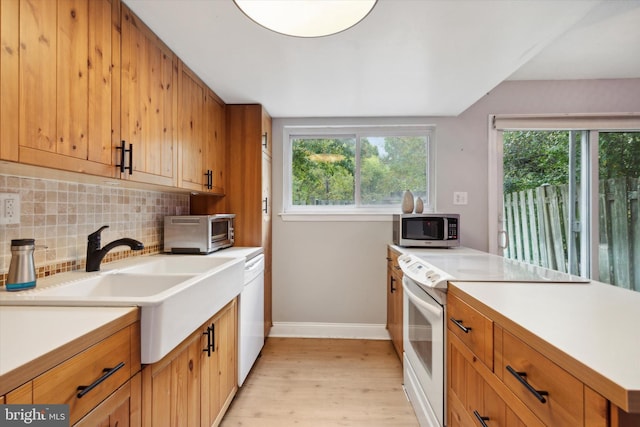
x=337 y=216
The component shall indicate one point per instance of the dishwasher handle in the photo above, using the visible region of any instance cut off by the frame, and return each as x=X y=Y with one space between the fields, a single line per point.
x=254 y=263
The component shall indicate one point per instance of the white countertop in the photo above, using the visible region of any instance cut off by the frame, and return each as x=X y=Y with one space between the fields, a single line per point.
x=596 y=324
x=28 y=333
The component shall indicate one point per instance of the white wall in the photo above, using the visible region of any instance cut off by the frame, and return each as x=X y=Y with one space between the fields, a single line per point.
x=335 y=272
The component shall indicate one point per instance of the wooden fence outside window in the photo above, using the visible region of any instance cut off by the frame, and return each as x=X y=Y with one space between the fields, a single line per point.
x=537 y=224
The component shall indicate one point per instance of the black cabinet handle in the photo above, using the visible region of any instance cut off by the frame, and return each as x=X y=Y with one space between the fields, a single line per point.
x=397 y=267
x=84 y=389
x=265 y=140
x=208 y=347
x=459 y=324
x=209 y=175
x=130 y=167
x=124 y=151
x=392 y=289
x=520 y=376
x=388 y=259
x=266 y=205
x=481 y=419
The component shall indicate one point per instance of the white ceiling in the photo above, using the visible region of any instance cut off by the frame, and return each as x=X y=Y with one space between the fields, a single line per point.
x=406 y=58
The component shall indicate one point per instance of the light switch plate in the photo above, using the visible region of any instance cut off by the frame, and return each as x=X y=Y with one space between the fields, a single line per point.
x=459 y=197
x=9 y=208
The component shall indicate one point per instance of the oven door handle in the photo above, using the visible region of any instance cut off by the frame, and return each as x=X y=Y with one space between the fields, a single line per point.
x=437 y=311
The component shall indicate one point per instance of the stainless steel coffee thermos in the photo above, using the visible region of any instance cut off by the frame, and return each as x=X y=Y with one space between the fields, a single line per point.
x=22 y=270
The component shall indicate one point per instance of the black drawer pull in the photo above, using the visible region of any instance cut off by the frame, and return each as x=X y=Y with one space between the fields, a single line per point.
x=539 y=394
x=481 y=419
x=459 y=324
x=84 y=389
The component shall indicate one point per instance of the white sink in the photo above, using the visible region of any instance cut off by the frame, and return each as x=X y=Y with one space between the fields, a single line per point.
x=176 y=294
x=115 y=285
x=176 y=264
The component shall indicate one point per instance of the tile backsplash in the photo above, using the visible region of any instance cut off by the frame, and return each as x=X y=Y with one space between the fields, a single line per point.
x=60 y=215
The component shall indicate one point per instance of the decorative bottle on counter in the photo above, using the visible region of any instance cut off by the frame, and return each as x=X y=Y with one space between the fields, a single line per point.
x=407 y=202
x=419 y=205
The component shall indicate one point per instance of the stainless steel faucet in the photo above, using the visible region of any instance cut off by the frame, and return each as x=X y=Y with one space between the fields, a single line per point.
x=95 y=254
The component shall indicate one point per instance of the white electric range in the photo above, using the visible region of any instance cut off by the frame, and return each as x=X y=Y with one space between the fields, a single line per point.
x=426 y=273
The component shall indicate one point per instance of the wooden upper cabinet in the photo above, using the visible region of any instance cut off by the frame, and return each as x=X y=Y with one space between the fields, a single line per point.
x=266 y=133
x=67 y=49
x=9 y=78
x=215 y=143
x=200 y=135
x=149 y=103
x=191 y=130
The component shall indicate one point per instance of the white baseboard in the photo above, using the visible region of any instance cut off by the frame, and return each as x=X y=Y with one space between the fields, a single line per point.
x=329 y=330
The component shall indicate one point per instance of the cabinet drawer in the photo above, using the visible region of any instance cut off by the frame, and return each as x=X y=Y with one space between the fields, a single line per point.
x=474 y=329
x=99 y=370
x=560 y=396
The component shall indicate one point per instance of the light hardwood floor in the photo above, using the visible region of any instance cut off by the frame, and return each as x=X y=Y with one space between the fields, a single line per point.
x=323 y=383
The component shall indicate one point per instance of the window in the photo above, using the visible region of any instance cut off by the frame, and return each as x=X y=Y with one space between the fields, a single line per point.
x=356 y=170
x=569 y=197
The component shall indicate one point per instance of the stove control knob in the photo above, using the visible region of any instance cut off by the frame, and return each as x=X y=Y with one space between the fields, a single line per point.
x=435 y=277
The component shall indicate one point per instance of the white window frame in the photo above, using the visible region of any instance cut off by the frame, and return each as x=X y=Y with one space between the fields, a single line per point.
x=358 y=212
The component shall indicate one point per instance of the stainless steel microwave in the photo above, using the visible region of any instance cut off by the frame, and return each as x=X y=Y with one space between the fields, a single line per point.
x=198 y=234
x=432 y=230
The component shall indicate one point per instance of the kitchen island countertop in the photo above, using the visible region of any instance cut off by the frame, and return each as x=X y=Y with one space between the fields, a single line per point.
x=592 y=330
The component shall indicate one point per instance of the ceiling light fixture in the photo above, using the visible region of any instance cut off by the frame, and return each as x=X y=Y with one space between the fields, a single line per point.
x=306 y=18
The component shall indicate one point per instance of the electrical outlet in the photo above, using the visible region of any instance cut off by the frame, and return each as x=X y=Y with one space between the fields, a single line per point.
x=459 y=197
x=9 y=208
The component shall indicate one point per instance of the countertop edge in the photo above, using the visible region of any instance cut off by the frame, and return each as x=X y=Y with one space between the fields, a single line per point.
x=24 y=373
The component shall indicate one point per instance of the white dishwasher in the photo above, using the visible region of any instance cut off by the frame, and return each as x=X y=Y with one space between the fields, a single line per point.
x=251 y=316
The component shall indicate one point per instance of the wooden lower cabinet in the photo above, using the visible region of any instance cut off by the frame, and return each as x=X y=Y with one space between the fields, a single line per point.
x=219 y=367
x=471 y=399
x=121 y=409
x=394 y=300
x=115 y=399
x=483 y=366
x=194 y=384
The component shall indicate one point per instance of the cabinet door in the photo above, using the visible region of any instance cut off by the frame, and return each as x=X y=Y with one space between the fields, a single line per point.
x=171 y=388
x=219 y=367
x=266 y=241
x=267 y=212
x=394 y=301
x=215 y=143
x=191 y=131
x=9 y=79
x=66 y=84
x=148 y=104
x=210 y=373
